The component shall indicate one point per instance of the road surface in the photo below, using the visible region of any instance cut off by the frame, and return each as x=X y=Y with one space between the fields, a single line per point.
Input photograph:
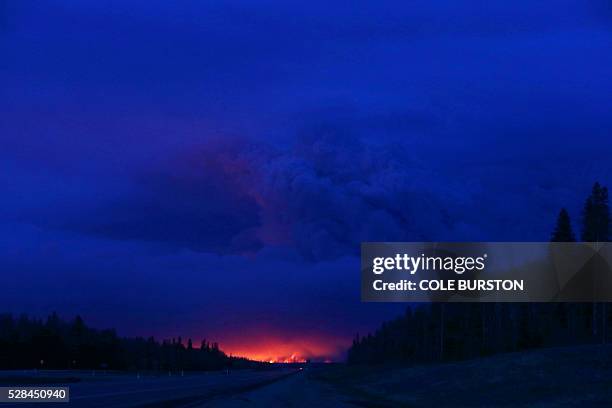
x=162 y=391
x=295 y=391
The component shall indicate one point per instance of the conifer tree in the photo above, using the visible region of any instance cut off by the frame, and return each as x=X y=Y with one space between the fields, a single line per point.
x=596 y=228
x=596 y=216
x=563 y=230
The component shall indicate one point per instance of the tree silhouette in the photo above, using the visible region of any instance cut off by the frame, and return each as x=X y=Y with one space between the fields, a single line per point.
x=474 y=330
x=596 y=216
x=56 y=344
x=596 y=228
x=563 y=230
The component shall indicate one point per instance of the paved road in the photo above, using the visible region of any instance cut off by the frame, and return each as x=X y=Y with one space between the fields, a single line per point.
x=129 y=391
x=295 y=391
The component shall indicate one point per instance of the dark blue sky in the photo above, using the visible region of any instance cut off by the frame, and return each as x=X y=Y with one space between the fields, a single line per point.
x=210 y=169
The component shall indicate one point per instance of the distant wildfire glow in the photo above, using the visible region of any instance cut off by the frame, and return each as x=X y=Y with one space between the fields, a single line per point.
x=278 y=350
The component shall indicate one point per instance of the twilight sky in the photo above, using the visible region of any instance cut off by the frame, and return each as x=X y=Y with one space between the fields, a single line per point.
x=208 y=169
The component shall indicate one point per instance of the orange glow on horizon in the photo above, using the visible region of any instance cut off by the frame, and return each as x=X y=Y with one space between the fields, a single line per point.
x=275 y=349
x=294 y=358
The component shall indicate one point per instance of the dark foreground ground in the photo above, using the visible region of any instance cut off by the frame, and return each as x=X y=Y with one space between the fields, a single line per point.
x=558 y=377
x=577 y=376
x=89 y=389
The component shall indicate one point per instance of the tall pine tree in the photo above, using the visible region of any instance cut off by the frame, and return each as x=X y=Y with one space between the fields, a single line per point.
x=596 y=228
x=563 y=230
x=596 y=216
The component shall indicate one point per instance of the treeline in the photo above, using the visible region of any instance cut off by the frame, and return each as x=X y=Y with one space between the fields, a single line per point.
x=53 y=343
x=455 y=331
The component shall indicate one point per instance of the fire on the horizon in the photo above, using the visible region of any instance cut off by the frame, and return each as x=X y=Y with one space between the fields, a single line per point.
x=275 y=350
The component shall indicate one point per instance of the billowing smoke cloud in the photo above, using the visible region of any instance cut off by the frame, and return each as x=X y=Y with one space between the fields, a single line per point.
x=332 y=191
x=326 y=193
x=323 y=195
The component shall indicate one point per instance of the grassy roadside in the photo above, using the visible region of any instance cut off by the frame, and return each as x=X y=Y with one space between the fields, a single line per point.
x=348 y=381
x=549 y=377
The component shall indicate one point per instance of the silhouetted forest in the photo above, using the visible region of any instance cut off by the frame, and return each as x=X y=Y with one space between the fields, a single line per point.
x=455 y=331
x=27 y=343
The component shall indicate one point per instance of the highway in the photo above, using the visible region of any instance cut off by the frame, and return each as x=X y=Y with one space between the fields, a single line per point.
x=131 y=390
